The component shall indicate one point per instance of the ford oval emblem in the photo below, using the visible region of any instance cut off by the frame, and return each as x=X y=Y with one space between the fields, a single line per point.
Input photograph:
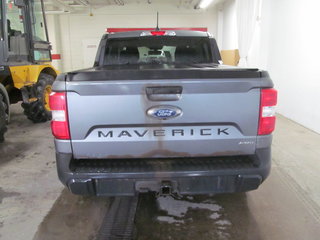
x=164 y=112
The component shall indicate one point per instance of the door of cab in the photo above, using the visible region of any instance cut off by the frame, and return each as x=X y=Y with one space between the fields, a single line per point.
x=14 y=38
x=24 y=36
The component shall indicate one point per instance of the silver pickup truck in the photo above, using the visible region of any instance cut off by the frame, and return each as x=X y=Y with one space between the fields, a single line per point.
x=157 y=112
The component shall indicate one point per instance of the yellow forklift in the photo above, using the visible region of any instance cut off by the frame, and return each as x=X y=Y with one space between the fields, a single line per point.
x=26 y=73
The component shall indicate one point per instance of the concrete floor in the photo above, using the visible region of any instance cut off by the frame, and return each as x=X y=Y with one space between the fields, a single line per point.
x=34 y=205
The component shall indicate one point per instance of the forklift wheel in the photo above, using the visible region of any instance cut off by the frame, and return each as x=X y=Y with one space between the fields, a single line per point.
x=39 y=110
x=3 y=120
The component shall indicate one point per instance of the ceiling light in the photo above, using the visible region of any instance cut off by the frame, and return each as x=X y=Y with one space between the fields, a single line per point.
x=203 y=4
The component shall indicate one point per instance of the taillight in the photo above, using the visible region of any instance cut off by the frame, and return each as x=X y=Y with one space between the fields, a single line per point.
x=158 y=33
x=267 y=119
x=59 y=123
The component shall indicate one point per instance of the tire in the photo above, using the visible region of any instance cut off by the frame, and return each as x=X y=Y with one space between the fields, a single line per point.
x=3 y=118
x=39 y=111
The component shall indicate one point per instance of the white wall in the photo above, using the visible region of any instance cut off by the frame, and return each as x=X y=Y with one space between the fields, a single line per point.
x=294 y=58
x=53 y=22
x=288 y=46
x=78 y=28
x=229 y=33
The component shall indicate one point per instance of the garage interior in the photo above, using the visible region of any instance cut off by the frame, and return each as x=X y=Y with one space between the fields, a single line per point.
x=278 y=36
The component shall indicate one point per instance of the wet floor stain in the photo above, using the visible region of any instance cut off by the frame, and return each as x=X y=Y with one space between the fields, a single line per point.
x=22 y=136
x=272 y=212
x=218 y=217
x=267 y=213
x=73 y=217
x=4 y=194
x=13 y=151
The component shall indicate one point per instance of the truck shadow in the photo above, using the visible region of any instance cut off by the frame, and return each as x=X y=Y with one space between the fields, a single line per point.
x=222 y=217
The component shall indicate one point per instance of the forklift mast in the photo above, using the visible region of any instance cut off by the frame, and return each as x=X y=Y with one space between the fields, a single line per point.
x=24 y=35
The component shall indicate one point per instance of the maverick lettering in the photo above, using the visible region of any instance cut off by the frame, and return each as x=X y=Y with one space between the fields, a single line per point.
x=162 y=133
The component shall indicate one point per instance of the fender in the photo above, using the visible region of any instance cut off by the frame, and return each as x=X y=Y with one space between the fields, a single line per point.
x=27 y=75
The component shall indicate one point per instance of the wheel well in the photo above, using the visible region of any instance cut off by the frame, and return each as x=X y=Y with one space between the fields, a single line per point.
x=49 y=71
x=14 y=94
x=7 y=81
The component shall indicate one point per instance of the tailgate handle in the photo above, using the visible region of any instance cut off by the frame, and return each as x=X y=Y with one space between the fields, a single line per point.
x=164 y=93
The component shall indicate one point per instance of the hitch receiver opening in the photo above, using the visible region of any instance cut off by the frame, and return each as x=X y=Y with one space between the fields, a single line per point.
x=166 y=188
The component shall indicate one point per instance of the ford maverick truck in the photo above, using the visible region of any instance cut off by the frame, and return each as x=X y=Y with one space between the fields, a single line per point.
x=158 y=112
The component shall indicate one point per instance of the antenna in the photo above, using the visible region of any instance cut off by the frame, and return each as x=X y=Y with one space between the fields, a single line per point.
x=157 y=28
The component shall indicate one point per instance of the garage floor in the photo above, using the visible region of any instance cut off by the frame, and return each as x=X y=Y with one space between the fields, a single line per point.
x=34 y=205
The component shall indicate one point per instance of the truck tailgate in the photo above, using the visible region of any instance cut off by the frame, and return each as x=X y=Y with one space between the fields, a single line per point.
x=108 y=119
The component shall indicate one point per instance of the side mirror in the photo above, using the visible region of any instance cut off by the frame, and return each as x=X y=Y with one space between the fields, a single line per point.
x=19 y=3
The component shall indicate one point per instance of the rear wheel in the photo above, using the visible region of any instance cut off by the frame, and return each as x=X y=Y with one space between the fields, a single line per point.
x=3 y=118
x=39 y=110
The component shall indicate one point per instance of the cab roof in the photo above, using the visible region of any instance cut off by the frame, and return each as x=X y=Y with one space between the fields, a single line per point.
x=178 y=33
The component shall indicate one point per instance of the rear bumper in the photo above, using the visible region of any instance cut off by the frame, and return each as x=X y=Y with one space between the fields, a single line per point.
x=186 y=176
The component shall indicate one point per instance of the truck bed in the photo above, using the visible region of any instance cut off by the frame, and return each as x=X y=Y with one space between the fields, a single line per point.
x=164 y=71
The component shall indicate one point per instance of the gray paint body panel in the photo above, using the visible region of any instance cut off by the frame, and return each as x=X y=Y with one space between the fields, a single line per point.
x=231 y=104
x=210 y=146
